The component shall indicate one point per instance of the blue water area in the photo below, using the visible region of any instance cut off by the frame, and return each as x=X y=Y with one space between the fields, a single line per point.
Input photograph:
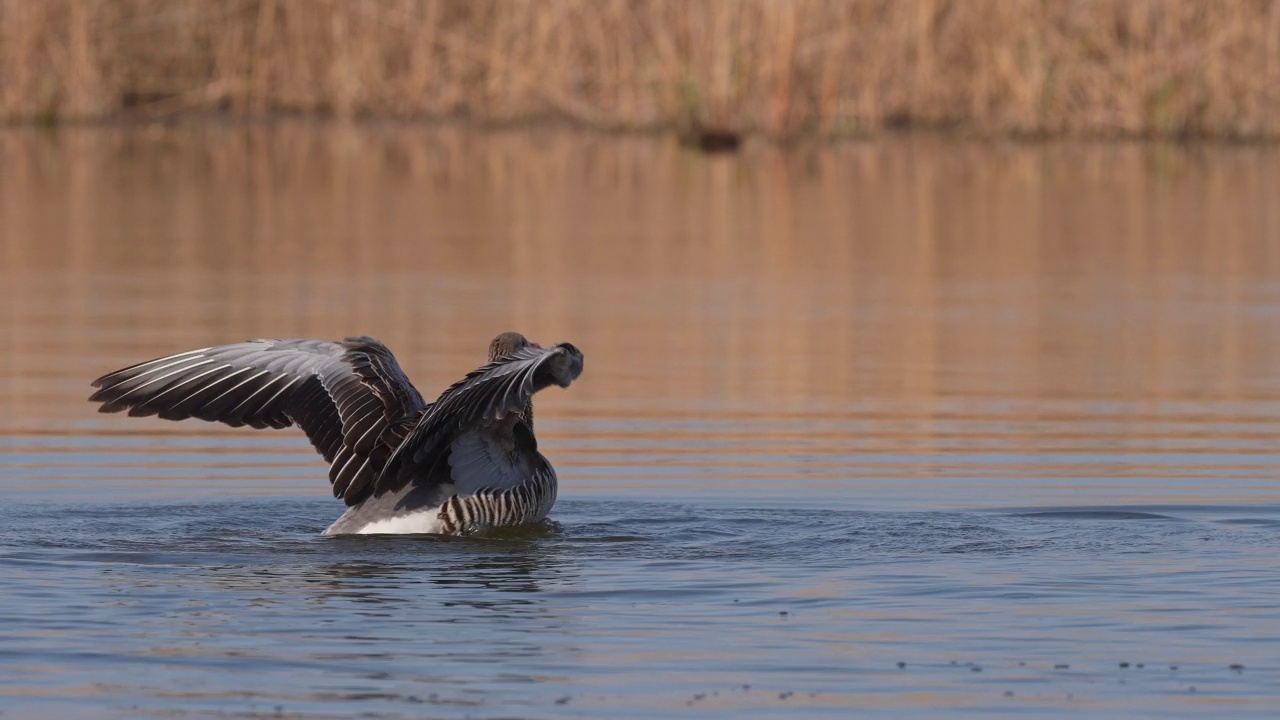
x=239 y=608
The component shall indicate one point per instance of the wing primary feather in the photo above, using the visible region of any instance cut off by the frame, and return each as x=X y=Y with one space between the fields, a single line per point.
x=498 y=406
x=356 y=475
x=183 y=383
x=153 y=381
x=131 y=371
x=372 y=400
x=372 y=426
x=351 y=398
x=255 y=393
x=189 y=405
x=180 y=364
x=233 y=388
x=340 y=481
x=279 y=392
x=490 y=393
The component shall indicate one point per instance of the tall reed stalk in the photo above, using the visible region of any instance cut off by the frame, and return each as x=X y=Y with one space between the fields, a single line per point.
x=780 y=67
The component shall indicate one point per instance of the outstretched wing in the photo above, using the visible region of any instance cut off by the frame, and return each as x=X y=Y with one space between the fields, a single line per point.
x=487 y=401
x=351 y=398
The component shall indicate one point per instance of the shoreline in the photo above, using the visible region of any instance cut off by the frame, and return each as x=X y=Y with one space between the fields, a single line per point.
x=220 y=119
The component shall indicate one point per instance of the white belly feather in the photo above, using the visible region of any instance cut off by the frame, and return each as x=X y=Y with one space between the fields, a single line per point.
x=421 y=521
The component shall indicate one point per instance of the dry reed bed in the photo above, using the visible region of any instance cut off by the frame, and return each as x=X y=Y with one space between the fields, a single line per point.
x=833 y=67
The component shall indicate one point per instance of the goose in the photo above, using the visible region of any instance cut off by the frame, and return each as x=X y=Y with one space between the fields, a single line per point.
x=460 y=465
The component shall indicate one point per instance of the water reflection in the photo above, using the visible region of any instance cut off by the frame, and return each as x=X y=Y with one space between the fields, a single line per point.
x=912 y=269
x=899 y=310
x=495 y=576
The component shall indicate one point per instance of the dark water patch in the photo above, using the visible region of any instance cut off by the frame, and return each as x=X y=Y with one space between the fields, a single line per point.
x=1256 y=522
x=1097 y=514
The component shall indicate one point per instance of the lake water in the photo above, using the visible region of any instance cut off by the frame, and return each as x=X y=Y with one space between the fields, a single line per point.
x=904 y=428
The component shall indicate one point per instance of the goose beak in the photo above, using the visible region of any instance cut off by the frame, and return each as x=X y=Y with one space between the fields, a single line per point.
x=535 y=345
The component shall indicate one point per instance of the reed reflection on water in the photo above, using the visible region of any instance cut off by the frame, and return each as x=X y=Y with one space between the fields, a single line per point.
x=909 y=308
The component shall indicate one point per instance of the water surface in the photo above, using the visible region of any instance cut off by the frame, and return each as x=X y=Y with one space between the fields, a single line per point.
x=904 y=428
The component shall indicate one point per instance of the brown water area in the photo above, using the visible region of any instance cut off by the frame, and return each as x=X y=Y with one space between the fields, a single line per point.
x=951 y=298
x=1004 y=413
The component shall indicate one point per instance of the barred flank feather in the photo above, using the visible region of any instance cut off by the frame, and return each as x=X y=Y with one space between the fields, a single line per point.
x=487 y=508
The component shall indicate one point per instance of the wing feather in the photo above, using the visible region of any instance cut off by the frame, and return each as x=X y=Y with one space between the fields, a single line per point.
x=480 y=402
x=351 y=398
